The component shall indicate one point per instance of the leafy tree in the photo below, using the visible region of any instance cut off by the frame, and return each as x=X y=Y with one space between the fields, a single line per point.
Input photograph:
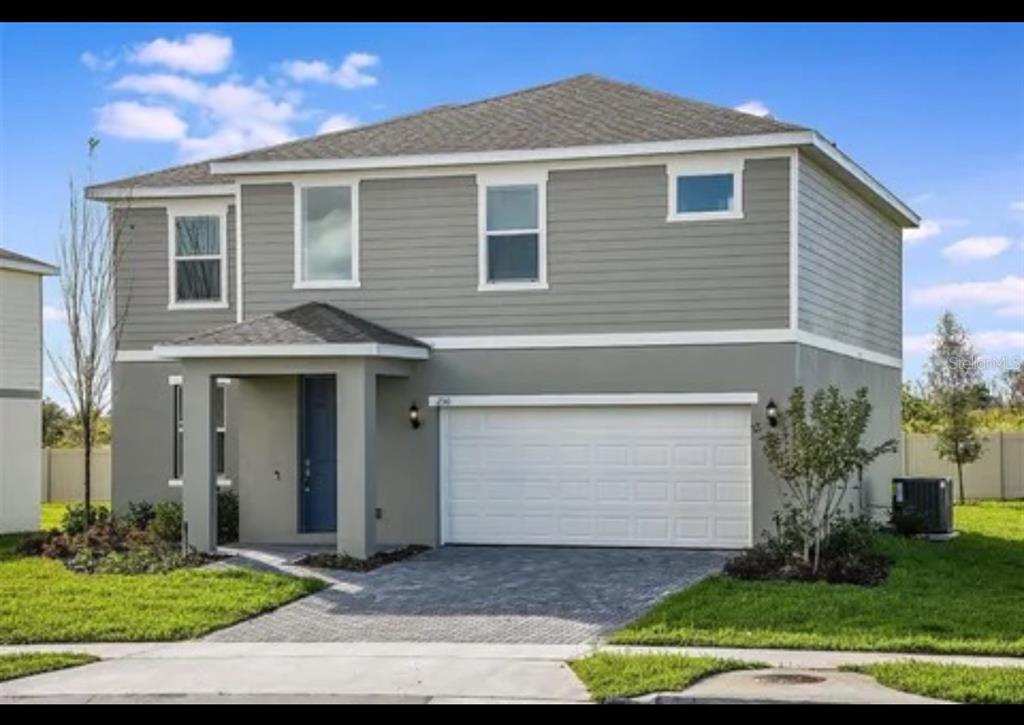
x=816 y=452
x=954 y=381
x=56 y=423
x=1014 y=381
x=919 y=413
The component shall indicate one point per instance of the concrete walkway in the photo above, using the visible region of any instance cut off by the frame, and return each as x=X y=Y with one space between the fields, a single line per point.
x=306 y=672
x=421 y=672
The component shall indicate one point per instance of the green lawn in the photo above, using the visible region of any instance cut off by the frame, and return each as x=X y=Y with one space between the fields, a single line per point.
x=962 y=596
x=23 y=665
x=41 y=601
x=608 y=675
x=959 y=683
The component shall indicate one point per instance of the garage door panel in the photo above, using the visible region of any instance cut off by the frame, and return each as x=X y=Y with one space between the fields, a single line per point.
x=633 y=476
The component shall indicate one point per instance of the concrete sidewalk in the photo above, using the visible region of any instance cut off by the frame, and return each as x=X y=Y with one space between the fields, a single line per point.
x=329 y=672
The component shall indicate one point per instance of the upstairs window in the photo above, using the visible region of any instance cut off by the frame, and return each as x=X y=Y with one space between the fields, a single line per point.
x=705 y=191
x=512 y=236
x=198 y=269
x=326 y=239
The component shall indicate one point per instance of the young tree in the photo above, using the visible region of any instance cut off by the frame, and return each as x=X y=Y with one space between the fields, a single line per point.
x=816 y=453
x=56 y=423
x=954 y=381
x=88 y=252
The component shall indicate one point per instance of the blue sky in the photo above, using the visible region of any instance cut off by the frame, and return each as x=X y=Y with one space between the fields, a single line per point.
x=936 y=112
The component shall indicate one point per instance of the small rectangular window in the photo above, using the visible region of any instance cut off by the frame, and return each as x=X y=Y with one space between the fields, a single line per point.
x=512 y=246
x=709 y=192
x=327 y=247
x=198 y=259
x=178 y=459
x=705 y=189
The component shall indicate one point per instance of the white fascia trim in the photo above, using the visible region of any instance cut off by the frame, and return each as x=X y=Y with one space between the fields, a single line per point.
x=123 y=193
x=500 y=157
x=134 y=356
x=826 y=147
x=604 y=399
x=611 y=339
x=178 y=352
x=826 y=343
x=39 y=268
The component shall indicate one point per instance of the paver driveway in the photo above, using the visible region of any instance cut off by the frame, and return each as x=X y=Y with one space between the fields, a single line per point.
x=485 y=594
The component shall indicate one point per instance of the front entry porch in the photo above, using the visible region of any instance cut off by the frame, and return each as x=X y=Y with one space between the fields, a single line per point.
x=306 y=416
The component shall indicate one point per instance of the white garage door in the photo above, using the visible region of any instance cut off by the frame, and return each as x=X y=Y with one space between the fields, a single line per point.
x=597 y=475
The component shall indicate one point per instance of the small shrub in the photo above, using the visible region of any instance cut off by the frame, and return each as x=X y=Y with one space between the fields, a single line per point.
x=166 y=524
x=158 y=559
x=847 y=556
x=140 y=515
x=73 y=521
x=32 y=545
x=227 y=517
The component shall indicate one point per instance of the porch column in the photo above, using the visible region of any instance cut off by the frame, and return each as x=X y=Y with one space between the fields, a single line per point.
x=199 y=496
x=357 y=490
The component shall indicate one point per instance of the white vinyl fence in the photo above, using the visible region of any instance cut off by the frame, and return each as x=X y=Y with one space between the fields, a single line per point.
x=63 y=476
x=998 y=474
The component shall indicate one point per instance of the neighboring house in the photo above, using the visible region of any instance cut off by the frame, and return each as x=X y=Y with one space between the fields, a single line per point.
x=21 y=384
x=549 y=317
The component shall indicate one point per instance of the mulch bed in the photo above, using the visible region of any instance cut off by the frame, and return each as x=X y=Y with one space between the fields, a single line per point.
x=349 y=563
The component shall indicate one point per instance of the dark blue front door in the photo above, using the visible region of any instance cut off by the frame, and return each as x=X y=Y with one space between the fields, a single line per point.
x=318 y=454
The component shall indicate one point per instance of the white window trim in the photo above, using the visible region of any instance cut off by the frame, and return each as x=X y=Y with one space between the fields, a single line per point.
x=703 y=167
x=196 y=207
x=298 y=282
x=512 y=178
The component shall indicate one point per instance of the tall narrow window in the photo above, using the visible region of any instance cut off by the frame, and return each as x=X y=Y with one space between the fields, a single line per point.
x=198 y=270
x=513 y=251
x=327 y=248
x=220 y=424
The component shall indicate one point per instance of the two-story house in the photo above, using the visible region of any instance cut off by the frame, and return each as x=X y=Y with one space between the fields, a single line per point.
x=549 y=317
x=21 y=385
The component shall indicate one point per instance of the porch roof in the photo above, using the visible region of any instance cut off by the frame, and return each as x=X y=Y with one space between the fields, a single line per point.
x=315 y=329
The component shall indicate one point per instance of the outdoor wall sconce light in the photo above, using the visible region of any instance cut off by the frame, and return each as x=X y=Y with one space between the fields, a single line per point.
x=414 y=416
x=772 y=413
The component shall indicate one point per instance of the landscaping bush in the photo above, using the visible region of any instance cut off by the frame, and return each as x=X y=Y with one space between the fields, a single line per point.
x=166 y=524
x=908 y=521
x=847 y=556
x=73 y=521
x=227 y=517
x=140 y=515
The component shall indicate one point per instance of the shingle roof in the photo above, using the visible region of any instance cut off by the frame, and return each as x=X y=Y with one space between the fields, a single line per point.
x=314 y=323
x=585 y=110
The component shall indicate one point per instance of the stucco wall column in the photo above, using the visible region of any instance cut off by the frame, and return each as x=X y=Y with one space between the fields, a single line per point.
x=199 y=493
x=357 y=489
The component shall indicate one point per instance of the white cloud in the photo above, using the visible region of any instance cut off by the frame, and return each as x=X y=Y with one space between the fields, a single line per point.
x=1004 y=294
x=131 y=120
x=161 y=84
x=1017 y=205
x=52 y=313
x=94 y=62
x=927 y=229
x=197 y=53
x=974 y=248
x=754 y=108
x=338 y=122
x=986 y=341
x=350 y=74
x=246 y=116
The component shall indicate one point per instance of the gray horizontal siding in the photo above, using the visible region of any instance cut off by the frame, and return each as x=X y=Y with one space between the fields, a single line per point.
x=850 y=265
x=142 y=282
x=614 y=263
